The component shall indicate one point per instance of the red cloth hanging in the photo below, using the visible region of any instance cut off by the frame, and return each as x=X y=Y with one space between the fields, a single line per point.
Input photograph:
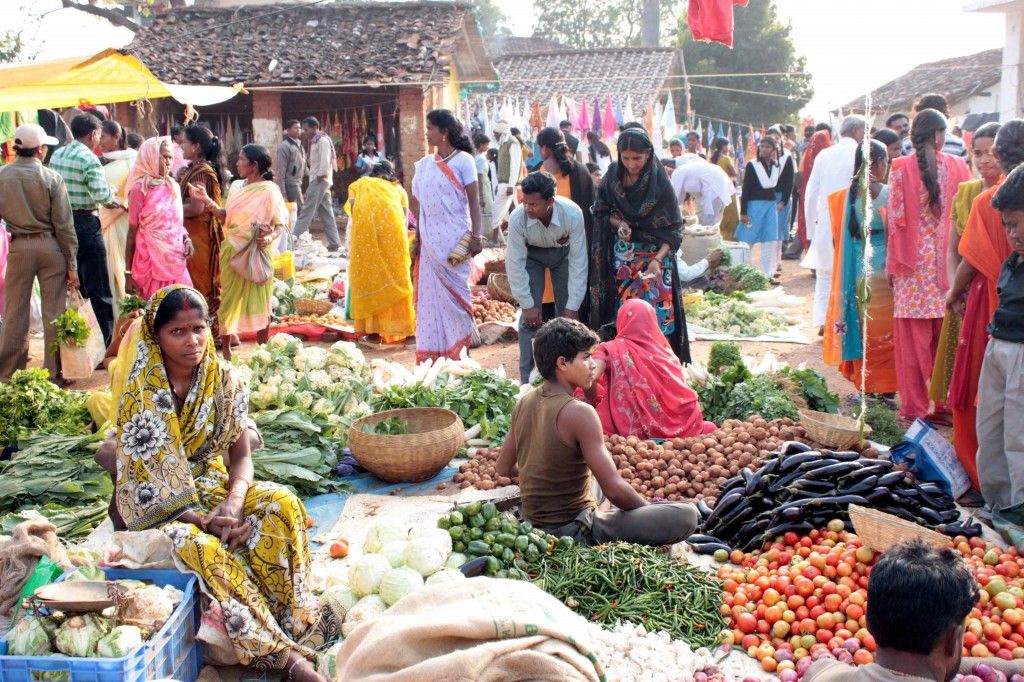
x=712 y=20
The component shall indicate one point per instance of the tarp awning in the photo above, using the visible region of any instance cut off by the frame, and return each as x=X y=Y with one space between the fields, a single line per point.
x=107 y=77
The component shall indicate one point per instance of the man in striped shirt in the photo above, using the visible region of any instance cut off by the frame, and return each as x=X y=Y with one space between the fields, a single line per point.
x=87 y=190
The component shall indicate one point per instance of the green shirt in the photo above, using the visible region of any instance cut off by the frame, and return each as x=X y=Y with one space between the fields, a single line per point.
x=83 y=176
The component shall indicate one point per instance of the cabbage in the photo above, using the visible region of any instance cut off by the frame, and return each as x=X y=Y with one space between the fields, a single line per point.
x=327 y=661
x=394 y=551
x=440 y=536
x=448 y=575
x=425 y=556
x=380 y=534
x=30 y=637
x=456 y=560
x=366 y=609
x=87 y=572
x=121 y=641
x=342 y=596
x=78 y=635
x=365 y=574
x=399 y=582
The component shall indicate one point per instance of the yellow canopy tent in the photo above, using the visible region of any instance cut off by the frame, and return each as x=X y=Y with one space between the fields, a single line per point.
x=107 y=77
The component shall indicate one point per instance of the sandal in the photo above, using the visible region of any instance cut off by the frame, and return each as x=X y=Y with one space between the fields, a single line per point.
x=369 y=342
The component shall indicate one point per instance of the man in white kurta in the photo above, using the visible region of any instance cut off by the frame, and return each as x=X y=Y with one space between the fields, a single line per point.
x=833 y=171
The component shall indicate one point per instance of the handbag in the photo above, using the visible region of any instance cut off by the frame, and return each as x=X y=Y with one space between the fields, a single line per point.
x=79 y=362
x=252 y=262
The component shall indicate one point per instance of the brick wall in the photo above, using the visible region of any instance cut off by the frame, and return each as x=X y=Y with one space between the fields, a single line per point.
x=412 y=129
x=266 y=119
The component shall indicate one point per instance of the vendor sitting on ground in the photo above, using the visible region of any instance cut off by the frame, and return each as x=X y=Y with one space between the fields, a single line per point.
x=183 y=465
x=557 y=445
x=641 y=385
x=918 y=598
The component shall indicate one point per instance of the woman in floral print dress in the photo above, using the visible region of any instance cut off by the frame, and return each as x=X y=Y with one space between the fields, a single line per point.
x=183 y=465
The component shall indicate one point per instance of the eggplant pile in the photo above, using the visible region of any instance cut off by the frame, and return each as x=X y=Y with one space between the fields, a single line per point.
x=799 y=489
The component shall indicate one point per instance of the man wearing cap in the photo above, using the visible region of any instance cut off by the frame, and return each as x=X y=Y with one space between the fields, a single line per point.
x=88 y=189
x=34 y=204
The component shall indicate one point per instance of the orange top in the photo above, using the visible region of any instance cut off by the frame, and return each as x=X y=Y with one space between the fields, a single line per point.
x=984 y=243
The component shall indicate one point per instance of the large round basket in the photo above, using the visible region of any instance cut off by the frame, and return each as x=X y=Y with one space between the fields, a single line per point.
x=499 y=289
x=310 y=306
x=493 y=266
x=833 y=430
x=435 y=436
x=880 y=531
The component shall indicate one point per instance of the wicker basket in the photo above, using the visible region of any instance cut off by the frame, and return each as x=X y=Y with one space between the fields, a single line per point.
x=495 y=266
x=833 y=430
x=880 y=531
x=435 y=436
x=309 y=306
x=498 y=288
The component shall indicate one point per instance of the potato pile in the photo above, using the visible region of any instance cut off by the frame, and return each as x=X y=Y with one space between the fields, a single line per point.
x=693 y=468
x=325 y=320
x=488 y=310
x=479 y=472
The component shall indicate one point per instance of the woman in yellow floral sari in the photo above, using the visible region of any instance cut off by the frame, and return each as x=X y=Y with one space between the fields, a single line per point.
x=183 y=465
x=245 y=305
x=379 y=275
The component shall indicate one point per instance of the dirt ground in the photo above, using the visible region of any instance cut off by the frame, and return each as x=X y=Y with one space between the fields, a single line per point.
x=796 y=280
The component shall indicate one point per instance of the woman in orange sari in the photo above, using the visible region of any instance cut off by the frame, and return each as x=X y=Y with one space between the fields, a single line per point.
x=202 y=150
x=819 y=141
x=984 y=247
x=847 y=316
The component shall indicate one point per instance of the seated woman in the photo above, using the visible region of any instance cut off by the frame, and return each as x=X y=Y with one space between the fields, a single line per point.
x=640 y=388
x=183 y=464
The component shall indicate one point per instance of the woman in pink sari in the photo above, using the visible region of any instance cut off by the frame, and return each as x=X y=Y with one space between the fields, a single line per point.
x=640 y=389
x=158 y=245
x=450 y=233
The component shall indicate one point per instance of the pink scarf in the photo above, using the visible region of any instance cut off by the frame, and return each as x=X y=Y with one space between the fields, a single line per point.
x=904 y=232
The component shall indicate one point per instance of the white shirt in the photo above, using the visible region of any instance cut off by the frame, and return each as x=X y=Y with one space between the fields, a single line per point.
x=833 y=171
x=320 y=160
x=566 y=229
x=708 y=180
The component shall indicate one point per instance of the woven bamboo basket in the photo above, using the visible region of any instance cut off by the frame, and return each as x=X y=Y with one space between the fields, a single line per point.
x=833 y=430
x=880 y=531
x=309 y=306
x=435 y=436
x=495 y=266
x=499 y=289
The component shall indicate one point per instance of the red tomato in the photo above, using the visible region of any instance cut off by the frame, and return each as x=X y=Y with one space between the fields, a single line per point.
x=746 y=622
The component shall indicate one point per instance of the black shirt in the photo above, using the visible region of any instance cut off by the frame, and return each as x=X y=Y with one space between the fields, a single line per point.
x=1008 y=322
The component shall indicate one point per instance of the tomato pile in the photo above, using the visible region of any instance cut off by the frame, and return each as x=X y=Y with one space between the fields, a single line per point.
x=799 y=597
x=995 y=627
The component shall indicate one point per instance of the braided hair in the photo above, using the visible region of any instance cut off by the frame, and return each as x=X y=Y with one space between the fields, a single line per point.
x=209 y=144
x=879 y=152
x=553 y=139
x=926 y=123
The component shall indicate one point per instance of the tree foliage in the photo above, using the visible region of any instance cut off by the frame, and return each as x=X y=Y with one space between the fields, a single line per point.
x=762 y=44
x=491 y=19
x=611 y=23
x=11 y=47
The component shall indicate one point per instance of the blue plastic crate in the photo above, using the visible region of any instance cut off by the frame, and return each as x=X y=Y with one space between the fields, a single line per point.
x=171 y=652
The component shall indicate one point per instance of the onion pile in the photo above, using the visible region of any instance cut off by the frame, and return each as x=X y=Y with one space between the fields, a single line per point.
x=693 y=468
x=479 y=472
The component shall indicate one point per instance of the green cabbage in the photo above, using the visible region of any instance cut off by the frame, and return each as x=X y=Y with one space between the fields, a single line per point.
x=121 y=641
x=380 y=534
x=342 y=596
x=426 y=555
x=394 y=552
x=440 y=536
x=456 y=560
x=366 y=572
x=367 y=609
x=30 y=637
x=88 y=572
x=399 y=582
x=447 y=575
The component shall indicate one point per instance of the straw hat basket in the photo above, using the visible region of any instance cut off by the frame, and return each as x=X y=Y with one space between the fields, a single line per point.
x=499 y=289
x=309 y=306
x=435 y=436
x=833 y=430
x=880 y=531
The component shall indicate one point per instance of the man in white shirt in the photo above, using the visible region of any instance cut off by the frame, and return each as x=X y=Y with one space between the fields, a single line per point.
x=323 y=161
x=545 y=232
x=833 y=171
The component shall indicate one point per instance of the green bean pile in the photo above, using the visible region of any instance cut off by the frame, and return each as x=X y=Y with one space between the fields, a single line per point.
x=626 y=582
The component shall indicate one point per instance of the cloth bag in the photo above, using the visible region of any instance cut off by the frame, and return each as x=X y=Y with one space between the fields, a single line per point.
x=481 y=629
x=253 y=263
x=79 y=362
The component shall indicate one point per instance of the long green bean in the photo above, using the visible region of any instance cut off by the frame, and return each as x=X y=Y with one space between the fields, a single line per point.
x=625 y=582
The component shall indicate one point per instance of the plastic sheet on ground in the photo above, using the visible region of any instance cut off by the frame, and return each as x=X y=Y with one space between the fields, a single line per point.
x=789 y=335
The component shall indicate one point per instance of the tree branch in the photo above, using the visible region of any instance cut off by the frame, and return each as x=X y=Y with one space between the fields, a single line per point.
x=113 y=16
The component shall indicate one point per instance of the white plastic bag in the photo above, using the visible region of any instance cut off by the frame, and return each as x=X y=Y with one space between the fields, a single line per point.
x=79 y=362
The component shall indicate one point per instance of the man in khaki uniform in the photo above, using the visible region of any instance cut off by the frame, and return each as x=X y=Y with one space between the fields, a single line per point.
x=34 y=204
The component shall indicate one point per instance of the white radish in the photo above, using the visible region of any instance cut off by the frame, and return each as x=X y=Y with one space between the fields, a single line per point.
x=472 y=432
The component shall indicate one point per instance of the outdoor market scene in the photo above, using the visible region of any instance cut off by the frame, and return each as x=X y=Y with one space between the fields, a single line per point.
x=492 y=340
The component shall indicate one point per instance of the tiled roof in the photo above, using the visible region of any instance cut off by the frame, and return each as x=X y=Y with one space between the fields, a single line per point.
x=590 y=73
x=956 y=78
x=503 y=46
x=337 y=43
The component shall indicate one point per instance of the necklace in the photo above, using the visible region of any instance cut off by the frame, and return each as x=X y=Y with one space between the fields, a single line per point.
x=448 y=158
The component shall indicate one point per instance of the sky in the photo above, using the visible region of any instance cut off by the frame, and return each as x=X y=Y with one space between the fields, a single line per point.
x=851 y=46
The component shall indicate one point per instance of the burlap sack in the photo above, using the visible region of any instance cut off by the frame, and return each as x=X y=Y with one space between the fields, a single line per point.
x=479 y=629
x=20 y=554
